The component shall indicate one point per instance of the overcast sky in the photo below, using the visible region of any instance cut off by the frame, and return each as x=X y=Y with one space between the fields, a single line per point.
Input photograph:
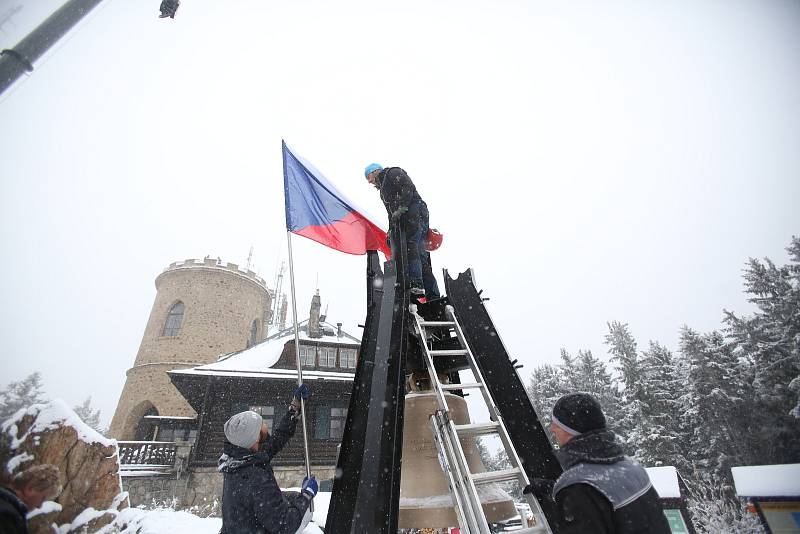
x=592 y=161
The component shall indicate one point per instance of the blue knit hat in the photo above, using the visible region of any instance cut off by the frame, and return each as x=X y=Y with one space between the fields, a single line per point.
x=372 y=167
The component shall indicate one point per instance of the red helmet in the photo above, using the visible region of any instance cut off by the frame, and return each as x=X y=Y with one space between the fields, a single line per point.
x=434 y=239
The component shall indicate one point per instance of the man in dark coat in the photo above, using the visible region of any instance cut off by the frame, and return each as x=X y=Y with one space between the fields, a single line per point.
x=403 y=203
x=252 y=502
x=601 y=491
x=28 y=490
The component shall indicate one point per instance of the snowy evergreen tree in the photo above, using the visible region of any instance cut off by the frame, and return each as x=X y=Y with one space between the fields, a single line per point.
x=664 y=443
x=770 y=340
x=22 y=394
x=483 y=452
x=713 y=402
x=545 y=387
x=583 y=373
x=592 y=376
x=715 y=512
x=88 y=415
x=631 y=426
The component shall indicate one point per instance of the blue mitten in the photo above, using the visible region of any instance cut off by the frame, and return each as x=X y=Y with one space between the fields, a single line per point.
x=302 y=392
x=310 y=487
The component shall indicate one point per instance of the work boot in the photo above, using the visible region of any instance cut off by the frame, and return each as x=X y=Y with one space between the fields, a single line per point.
x=416 y=290
x=416 y=294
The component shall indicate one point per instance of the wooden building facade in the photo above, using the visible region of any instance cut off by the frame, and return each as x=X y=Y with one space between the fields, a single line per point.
x=262 y=378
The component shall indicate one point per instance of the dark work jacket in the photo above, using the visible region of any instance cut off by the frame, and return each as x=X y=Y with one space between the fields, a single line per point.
x=397 y=190
x=252 y=502
x=603 y=492
x=13 y=513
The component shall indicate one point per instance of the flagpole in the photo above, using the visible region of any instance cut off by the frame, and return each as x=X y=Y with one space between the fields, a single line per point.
x=297 y=359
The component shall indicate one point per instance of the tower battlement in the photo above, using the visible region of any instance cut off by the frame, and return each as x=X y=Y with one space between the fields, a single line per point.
x=217 y=264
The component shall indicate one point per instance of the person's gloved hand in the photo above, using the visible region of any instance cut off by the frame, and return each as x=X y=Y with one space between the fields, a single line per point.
x=310 y=487
x=399 y=212
x=301 y=392
x=541 y=487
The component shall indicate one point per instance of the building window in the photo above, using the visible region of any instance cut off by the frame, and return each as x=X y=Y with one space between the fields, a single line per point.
x=308 y=356
x=329 y=422
x=172 y=326
x=253 y=334
x=327 y=356
x=267 y=413
x=338 y=418
x=347 y=358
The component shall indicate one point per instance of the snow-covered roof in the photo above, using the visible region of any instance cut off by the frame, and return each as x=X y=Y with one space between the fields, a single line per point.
x=665 y=481
x=257 y=361
x=767 y=480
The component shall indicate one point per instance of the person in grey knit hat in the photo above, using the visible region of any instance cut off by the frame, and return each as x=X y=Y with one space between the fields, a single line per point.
x=252 y=501
x=601 y=490
x=244 y=429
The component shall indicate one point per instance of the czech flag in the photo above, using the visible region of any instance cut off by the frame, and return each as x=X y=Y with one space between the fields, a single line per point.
x=316 y=210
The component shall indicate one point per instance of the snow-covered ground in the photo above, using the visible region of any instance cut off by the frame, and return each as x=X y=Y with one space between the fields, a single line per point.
x=169 y=521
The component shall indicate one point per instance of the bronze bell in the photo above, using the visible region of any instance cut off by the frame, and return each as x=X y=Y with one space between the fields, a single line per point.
x=425 y=500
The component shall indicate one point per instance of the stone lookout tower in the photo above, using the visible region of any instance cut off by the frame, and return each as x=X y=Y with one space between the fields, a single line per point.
x=203 y=308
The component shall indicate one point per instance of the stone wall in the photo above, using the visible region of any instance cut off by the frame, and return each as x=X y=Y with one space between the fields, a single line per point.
x=202 y=486
x=221 y=304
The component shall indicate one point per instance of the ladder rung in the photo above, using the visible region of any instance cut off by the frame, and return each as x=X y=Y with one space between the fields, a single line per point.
x=504 y=475
x=448 y=324
x=459 y=352
x=469 y=385
x=532 y=530
x=477 y=429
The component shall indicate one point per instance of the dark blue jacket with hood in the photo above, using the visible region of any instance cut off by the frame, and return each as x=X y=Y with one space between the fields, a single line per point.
x=252 y=502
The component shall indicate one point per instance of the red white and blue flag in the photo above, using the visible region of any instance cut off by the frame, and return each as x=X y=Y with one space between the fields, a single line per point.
x=317 y=210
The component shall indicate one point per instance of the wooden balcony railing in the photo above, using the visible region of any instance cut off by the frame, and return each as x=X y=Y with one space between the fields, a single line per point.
x=147 y=453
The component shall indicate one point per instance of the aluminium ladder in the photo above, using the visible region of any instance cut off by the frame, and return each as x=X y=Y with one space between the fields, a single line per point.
x=447 y=435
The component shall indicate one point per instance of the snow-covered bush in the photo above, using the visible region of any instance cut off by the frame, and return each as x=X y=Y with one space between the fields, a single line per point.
x=715 y=511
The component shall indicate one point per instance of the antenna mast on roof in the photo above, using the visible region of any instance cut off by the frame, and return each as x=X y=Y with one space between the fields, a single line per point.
x=250 y=257
x=276 y=306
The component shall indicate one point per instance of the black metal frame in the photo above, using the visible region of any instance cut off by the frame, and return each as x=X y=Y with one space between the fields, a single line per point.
x=366 y=489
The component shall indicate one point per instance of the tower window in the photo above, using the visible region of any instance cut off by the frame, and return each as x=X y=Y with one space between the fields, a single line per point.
x=174 y=320
x=253 y=334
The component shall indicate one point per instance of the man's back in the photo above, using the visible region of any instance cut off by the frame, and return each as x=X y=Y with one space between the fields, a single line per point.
x=585 y=510
x=604 y=492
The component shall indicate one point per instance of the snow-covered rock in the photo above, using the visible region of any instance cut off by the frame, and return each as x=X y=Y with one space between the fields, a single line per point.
x=53 y=434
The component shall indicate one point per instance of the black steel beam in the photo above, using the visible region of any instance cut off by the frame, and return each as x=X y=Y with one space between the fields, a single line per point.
x=351 y=457
x=368 y=500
